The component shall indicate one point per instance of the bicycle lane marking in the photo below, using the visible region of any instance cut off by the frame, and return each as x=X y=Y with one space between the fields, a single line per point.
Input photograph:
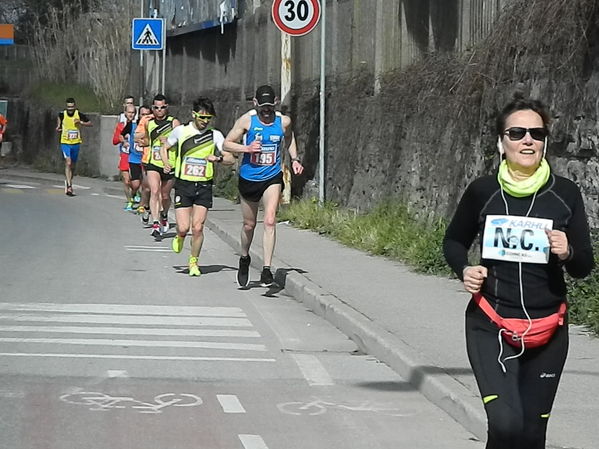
x=96 y=401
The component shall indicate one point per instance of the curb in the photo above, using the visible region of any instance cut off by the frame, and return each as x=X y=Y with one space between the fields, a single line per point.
x=433 y=382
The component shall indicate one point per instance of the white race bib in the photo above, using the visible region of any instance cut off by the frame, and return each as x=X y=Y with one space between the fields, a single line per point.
x=194 y=167
x=516 y=239
x=267 y=156
x=156 y=153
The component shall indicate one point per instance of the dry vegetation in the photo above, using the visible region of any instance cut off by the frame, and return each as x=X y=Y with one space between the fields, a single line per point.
x=90 y=48
x=538 y=46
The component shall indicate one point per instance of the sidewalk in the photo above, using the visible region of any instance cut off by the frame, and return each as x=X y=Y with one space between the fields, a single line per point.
x=414 y=323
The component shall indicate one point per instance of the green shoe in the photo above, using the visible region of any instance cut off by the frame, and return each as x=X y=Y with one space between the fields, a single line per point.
x=178 y=243
x=194 y=270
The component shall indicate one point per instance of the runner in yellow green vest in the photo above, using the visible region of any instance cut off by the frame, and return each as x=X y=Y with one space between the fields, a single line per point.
x=68 y=124
x=195 y=148
x=161 y=182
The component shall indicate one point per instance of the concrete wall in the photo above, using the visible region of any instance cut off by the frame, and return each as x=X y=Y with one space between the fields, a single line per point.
x=35 y=140
x=373 y=36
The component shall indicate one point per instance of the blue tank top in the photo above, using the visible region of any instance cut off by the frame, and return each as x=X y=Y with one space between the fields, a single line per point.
x=135 y=151
x=266 y=164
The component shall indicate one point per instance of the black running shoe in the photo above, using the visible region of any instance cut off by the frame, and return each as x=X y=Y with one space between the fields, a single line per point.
x=266 y=279
x=243 y=274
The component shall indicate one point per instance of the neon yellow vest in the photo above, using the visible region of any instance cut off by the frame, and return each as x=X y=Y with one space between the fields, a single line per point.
x=192 y=150
x=70 y=132
x=155 y=131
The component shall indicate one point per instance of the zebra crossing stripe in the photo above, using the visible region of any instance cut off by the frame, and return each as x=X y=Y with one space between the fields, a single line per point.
x=182 y=332
x=132 y=319
x=125 y=309
x=136 y=357
x=138 y=343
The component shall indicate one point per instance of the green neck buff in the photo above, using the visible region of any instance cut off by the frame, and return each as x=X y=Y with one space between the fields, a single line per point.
x=526 y=187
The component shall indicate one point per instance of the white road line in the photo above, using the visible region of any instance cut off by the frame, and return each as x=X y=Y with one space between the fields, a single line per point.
x=147 y=320
x=230 y=403
x=125 y=309
x=18 y=186
x=312 y=369
x=138 y=343
x=144 y=246
x=75 y=186
x=252 y=441
x=135 y=357
x=156 y=250
x=134 y=331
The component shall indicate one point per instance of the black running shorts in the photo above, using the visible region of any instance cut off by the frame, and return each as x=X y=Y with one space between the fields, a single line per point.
x=189 y=193
x=163 y=176
x=253 y=190
x=135 y=171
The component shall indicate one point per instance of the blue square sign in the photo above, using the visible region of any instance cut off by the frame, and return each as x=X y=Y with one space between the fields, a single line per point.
x=147 y=34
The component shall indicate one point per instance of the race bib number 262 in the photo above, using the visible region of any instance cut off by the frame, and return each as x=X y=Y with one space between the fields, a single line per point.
x=516 y=239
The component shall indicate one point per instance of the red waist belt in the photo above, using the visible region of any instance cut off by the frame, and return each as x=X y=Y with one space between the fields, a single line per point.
x=540 y=332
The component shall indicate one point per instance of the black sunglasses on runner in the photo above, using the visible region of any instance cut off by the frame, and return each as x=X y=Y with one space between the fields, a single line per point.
x=159 y=108
x=518 y=133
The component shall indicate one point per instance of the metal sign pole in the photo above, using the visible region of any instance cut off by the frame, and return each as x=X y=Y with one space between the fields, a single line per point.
x=321 y=157
x=286 y=101
x=163 y=56
x=141 y=66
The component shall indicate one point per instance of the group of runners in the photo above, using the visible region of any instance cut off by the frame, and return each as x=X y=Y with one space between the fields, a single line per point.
x=516 y=320
x=159 y=153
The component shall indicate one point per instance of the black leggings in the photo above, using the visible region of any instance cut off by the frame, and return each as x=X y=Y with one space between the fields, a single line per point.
x=517 y=403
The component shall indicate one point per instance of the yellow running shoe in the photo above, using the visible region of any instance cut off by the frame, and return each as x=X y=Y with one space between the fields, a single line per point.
x=178 y=243
x=194 y=270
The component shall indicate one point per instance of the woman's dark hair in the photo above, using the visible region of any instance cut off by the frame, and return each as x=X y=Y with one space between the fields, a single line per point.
x=521 y=103
x=205 y=104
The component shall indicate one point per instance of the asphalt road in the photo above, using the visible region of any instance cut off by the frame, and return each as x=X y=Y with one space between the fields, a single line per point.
x=106 y=342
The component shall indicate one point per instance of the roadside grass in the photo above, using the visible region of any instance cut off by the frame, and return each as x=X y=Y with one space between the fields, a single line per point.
x=390 y=230
x=55 y=94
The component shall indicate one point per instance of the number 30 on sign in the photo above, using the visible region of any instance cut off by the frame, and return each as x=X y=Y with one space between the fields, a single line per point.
x=296 y=17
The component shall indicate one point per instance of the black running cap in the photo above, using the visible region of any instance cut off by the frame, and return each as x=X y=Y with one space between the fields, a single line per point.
x=265 y=95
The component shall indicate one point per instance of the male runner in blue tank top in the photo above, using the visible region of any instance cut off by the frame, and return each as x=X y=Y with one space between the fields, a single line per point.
x=266 y=132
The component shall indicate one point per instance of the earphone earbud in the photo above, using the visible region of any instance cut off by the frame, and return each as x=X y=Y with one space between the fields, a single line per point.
x=500 y=147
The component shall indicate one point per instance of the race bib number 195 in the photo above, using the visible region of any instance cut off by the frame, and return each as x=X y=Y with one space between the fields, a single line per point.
x=516 y=239
x=266 y=157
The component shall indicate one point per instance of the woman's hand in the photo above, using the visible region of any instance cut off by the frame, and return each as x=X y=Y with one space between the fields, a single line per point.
x=474 y=277
x=558 y=242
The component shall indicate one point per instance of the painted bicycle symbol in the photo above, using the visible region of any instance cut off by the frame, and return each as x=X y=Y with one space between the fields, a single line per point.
x=104 y=402
x=319 y=407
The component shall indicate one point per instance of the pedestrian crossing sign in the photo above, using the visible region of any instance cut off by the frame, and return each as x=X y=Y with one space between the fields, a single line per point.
x=147 y=34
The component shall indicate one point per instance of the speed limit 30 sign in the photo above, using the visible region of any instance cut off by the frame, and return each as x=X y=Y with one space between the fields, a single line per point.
x=296 y=17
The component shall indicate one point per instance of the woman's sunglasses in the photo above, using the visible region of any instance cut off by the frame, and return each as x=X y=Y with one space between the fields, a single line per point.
x=517 y=133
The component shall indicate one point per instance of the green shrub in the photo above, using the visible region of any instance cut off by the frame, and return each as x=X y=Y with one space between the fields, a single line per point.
x=55 y=94
x=584 y=294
